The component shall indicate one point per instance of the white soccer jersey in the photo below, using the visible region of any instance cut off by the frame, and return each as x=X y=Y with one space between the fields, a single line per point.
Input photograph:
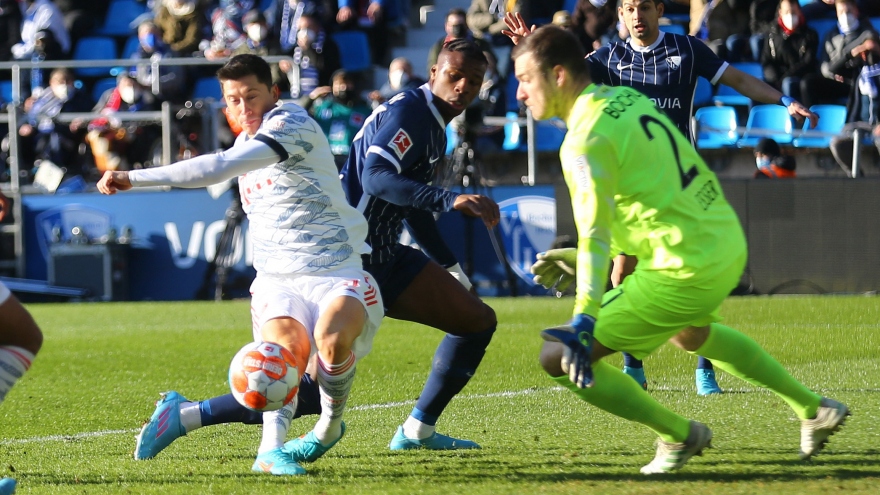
x=300 y=221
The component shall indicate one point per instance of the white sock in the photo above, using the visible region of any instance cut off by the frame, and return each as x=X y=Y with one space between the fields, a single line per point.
x=14 y=361
x=190 y=416
x=334 y=383
x=275 y=427
x=417 y=430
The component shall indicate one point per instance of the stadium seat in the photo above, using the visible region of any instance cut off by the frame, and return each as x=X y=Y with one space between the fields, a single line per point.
x=771 y=121
x=120 y=15
x=703 y=93
x=674 y=29
x=131 y=46
x=512 y=132
x=102 y=85
x=354 y=49
x=549 y=134
x=207 y=87
x=731 y=97
x=451 y=139
x=875 y=21
x=717 y=127
x=95 y=48
x=5 y=92
x=822 y=26
x=831 y=120
x=569 y=5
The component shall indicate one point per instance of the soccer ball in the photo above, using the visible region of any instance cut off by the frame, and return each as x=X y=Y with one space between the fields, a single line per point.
x=264 y=376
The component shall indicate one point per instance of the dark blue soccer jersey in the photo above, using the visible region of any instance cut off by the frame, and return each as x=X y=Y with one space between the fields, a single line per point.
x=666 y=71
x=388 y=173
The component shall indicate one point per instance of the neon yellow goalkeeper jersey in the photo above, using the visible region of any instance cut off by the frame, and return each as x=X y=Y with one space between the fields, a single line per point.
x=638 y=187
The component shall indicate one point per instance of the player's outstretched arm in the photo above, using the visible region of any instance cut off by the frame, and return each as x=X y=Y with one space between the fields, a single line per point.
x=517 y=27
x=758 y=90
x=477 y=205
x=113 y=181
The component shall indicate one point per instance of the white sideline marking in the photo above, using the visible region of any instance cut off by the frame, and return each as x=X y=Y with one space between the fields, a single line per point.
x=389 y=405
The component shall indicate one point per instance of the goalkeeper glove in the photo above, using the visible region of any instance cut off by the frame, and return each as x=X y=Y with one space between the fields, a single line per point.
x=555 y=267
x=577 y=343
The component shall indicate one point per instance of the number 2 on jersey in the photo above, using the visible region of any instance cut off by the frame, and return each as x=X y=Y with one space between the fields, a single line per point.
x=686 y=177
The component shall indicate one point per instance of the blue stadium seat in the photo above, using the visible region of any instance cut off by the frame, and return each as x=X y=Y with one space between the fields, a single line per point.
x=102 y=85
x=717 y=128
x=549 y=134
x=875 y=21
x=703 y=93
x=731 y=97
x=822 y=26
x=569 y=5
x=451 y=139
x=772 y=120
x=95 y=48
x=512 y=132
x=674 y=29
x=831 y=120
x=120 y=15
x=207 y=87
x=131 y=46
x=5 y=92
x=354 y=49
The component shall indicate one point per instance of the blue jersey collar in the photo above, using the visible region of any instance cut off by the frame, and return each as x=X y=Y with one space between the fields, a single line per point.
x=429 y=99
x=650 y=47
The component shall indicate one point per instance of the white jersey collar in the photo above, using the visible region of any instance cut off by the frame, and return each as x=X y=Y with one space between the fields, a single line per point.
x=639 y=48
x=429 y=97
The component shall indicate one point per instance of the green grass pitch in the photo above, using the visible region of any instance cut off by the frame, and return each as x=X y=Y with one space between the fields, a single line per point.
x=68 y=426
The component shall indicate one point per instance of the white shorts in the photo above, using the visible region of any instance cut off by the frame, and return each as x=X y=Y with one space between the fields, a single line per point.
x=4 y=293
x=305 y=298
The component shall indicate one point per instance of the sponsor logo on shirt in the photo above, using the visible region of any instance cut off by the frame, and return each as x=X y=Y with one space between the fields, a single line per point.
x=673 y=62
x=581 y=172
x=401 y=143
x=277 y=126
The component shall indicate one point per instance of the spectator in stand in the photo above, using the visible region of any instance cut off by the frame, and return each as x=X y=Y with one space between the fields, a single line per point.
x=863 y=109
x=400 y=79
x=40 y=137
x=340 y=111
x=82 y=17
x=284 y=15
x=10 y=28
x=763 y=16
x=790 y=50
x=373 y=17
x=819 y=9
x=181 y=26
x=591 y=20
x=723 y=25
x=41 y=16
x=172 y=80
x=227 y=29
x=118 y=145
x=840 y=64
x=486 y=19
x=315 y=59
x=257 y=31
x=771 y=163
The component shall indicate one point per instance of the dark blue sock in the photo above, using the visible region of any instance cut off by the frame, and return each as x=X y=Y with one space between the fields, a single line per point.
x=455 y=362
x=704 y=364
x=225 y=409
x=630 y=361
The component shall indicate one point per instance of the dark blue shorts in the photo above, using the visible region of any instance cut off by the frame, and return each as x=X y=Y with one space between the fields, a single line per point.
x=395 y=275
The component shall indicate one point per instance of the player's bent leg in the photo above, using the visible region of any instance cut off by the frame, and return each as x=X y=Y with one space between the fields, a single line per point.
x=435 y=298
x=671 y=456
x=340 y=324
x=7 y=486
x=742 y=357
x=705 y=379
x=635 y=368
x=20 y=340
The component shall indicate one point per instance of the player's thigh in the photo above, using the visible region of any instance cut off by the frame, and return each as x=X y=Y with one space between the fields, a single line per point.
x=436 y=299
x=349 y=312
x=280 y=314
x=17 y=327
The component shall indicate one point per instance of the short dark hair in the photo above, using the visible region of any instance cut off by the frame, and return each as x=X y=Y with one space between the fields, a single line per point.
x=468 y=48
x=241 y=66
x=551 y=46
x=456 y=11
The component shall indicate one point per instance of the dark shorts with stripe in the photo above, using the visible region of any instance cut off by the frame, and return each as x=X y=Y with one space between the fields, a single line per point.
x=396 y=274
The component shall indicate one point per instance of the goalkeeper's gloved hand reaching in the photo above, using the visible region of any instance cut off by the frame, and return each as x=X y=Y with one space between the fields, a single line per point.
x=577 y=341
x=555 y=267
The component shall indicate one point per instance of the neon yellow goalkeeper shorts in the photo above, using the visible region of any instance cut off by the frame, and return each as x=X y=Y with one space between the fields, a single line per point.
x=646 y=310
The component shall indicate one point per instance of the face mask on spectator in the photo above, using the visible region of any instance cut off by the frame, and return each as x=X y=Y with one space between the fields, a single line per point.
x=257 y=32
x=129 y=95
x=598 y=3
x=848 y=23
x=762 y=161
x=398 y=78
x=307 y=36
x=61 y=91
x=790 y=21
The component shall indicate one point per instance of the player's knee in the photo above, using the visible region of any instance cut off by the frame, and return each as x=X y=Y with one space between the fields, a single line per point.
x=484 y=320
x=335 y=346
x=690 y=339
x=551 y=358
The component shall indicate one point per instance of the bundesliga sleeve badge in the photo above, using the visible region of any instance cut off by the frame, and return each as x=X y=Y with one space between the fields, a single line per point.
x=401 y=143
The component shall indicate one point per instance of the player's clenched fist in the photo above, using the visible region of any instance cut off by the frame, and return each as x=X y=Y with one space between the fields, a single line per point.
x=114 y=181
x=477 y=205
